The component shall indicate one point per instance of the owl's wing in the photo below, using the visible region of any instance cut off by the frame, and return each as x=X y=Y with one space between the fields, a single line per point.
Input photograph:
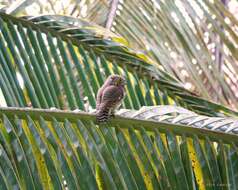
x=99 y=97
x=112 y=94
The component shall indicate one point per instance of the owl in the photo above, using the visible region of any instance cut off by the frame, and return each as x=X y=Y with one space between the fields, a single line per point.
x=109 y=97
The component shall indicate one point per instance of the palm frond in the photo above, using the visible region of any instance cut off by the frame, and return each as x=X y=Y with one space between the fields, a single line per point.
x=195 y=41
x=51 y=55
x=52 y=149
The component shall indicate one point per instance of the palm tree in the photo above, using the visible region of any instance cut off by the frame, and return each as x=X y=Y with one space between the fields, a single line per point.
x=52 y=66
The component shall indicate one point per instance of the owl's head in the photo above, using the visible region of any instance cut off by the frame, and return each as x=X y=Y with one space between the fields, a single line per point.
x=116 y=80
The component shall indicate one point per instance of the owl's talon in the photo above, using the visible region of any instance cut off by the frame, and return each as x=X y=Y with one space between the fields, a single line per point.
x=112 y=115
x=99 y=122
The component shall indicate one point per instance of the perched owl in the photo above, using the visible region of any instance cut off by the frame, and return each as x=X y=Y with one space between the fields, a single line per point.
x=110 y=97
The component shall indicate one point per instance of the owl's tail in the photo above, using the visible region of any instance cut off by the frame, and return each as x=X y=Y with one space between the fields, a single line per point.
x=102 y=116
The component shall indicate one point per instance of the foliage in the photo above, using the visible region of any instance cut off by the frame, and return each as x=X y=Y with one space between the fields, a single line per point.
x=72 y=47
x=45 y=149
x=57 y=63
x=194 y=41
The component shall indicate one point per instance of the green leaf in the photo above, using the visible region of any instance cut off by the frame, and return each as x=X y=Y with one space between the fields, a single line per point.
x=43 y=148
